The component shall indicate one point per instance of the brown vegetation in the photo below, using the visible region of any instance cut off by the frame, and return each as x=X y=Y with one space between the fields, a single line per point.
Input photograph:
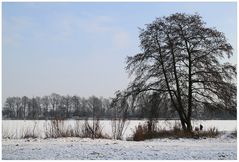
x=58 y=129
x=142 y=132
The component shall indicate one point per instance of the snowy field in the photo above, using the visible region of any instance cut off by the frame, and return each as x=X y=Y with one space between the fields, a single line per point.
x=16 y=128
x=158 y=149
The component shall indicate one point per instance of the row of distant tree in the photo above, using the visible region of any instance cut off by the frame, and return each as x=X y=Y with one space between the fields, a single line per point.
x=54 y=106
x=75 y=107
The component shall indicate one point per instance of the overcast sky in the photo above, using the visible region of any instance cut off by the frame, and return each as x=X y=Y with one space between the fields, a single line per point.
x=81 y=48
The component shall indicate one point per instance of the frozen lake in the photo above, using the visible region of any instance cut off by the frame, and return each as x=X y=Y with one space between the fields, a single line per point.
x=16 y=128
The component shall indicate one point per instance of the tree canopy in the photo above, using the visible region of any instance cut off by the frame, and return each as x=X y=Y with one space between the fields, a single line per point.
x=183 y=60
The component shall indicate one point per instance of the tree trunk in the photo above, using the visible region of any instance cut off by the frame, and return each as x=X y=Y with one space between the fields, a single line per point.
x=182 y=120
x=189 y=125
x=186 y=124
x=189 y=112
x=169 y=90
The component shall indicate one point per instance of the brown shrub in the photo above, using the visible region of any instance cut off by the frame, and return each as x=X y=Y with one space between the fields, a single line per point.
x=234 y=133
x=210 y=133
x=93 y=131
x=141 y=133
x=58 y=129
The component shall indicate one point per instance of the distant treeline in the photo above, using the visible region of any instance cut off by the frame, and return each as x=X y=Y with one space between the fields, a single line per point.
x=75 y=107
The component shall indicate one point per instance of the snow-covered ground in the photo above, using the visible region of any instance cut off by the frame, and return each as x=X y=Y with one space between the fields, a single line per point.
x=77 y=148
x=16 y=128
x=222 y=147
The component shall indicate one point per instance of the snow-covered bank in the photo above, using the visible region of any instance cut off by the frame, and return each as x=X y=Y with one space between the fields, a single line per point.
x=77 y=148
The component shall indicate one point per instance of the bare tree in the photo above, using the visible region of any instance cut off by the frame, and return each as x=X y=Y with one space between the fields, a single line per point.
x=18 y=107
x=54 y=100
x=76 y=105
x=120 y=105
x=35 y=111
x=182 y=60
x=24 y=105
x=8 y=109
x=95 y=106
x=66 y=103
x=45 y=103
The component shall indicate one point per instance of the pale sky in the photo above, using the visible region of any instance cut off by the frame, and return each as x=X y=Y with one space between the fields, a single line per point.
x=81 y=48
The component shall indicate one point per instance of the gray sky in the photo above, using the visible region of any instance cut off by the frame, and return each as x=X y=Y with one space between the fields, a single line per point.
x=81 y=48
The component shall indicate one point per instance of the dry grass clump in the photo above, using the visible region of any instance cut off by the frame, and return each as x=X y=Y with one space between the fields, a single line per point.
x=6 y=134
x=119 y=127
x=210 y=133
x=93 y=131
x=148 y=130
x=142 y=133
x=29 y=133
x=57 y=129
x=234 y=133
